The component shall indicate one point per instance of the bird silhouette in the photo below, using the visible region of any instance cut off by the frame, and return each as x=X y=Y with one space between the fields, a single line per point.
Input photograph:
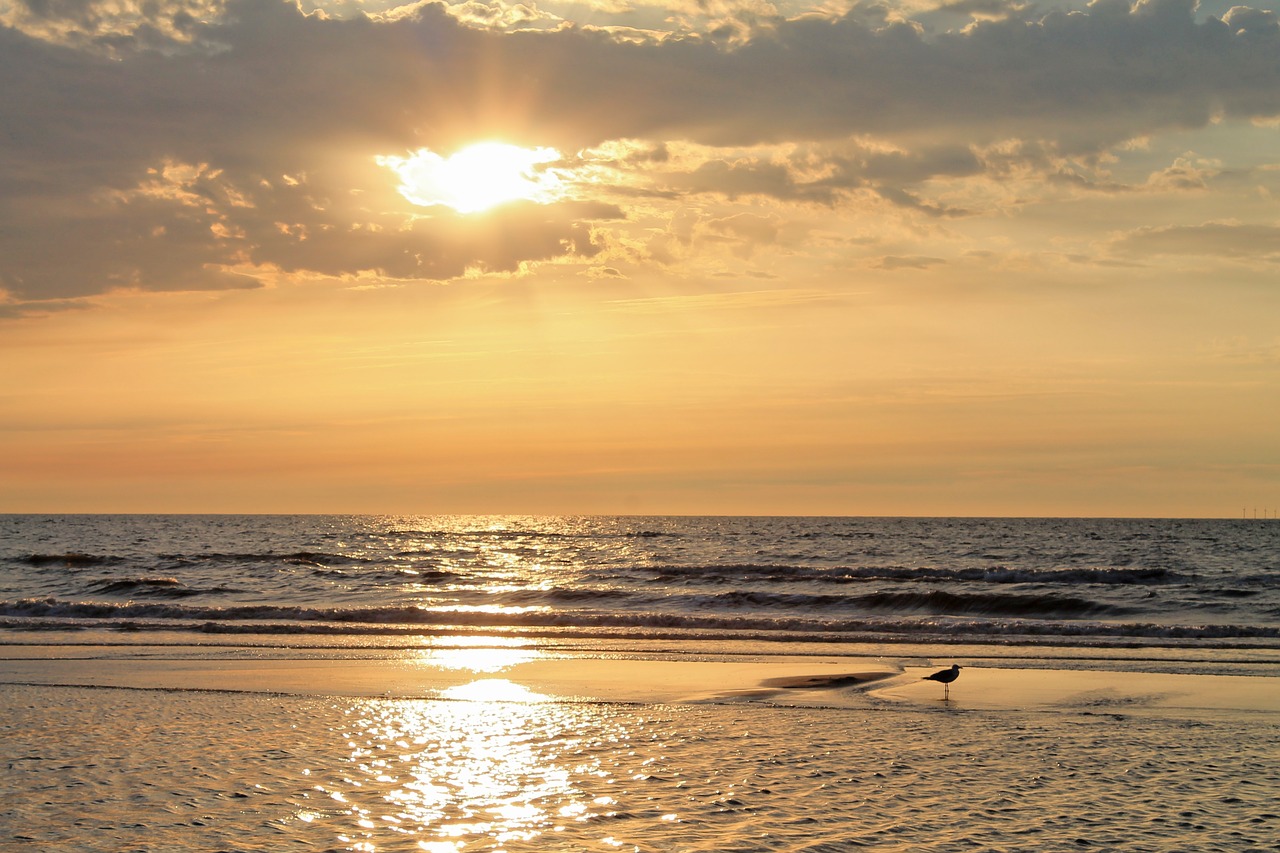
x=946 y=676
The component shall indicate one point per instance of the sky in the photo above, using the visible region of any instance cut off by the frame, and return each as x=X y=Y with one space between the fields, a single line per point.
x=640 y=256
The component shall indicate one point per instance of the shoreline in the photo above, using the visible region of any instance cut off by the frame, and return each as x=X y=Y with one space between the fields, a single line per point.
x=530 y=674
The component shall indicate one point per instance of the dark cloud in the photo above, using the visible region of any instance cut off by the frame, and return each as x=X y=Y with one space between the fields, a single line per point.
x=43 y=308
x=242 y=98
x=749 y=177
x=1084 y=80
x=823 y=175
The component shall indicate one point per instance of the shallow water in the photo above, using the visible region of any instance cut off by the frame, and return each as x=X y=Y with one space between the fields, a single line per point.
x=132 y=770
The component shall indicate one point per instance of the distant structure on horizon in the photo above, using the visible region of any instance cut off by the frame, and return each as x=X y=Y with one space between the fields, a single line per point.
x=1267 y=514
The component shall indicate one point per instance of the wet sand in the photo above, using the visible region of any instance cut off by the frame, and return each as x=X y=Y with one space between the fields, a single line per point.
x=456 y=750
x=530 y=675
x=302 y=756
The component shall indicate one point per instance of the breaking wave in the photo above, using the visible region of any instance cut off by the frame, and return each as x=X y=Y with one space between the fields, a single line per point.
x=639 y=625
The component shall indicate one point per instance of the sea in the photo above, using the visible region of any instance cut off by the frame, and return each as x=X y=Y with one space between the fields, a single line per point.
x=90 y=767
x=1195 y=585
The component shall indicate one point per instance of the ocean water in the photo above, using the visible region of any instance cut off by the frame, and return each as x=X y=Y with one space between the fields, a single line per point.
x=1191 y=584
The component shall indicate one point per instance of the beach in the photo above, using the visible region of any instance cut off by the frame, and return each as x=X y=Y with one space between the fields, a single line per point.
x=493 y=747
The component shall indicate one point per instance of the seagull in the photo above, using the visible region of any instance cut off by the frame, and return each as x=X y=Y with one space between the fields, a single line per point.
x=946 y=676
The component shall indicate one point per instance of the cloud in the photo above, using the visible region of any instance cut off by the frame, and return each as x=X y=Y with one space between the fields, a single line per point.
x=913 y=262
x=1186 y=173
x=444 y=247
x=1220 y=239
x=11 y=309
x=1239 y=349
x=500 y=15
x=753 y=177
x=820 y=174
x=1084 y=79
x=158 y=140
x=95 y=23
x=602 y=272
x=745 y=232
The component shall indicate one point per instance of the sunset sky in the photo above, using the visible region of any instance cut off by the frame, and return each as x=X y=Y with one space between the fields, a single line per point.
x=729 y=256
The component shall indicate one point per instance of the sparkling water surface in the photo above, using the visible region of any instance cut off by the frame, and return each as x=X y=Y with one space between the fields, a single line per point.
x=1207 y=583
x=100 y=770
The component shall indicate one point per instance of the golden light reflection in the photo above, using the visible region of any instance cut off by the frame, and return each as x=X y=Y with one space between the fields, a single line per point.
x=493 y=690
x=485 y=640
x=477 y=177
x=480 y=660
x=454 y=776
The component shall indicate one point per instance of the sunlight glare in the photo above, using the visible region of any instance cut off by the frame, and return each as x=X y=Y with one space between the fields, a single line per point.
x=480 y=660
x=477 y=177
x=492 y=690
x=458 y=776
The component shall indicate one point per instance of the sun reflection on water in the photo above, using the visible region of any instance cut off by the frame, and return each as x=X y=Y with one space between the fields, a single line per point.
x=503 y=767
x=479 y=660
x=493 y=690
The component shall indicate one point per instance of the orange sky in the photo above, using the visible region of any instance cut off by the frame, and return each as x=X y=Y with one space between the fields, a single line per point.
x=766 y=259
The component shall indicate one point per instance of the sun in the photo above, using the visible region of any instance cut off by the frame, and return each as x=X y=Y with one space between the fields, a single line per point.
x=478 y=177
